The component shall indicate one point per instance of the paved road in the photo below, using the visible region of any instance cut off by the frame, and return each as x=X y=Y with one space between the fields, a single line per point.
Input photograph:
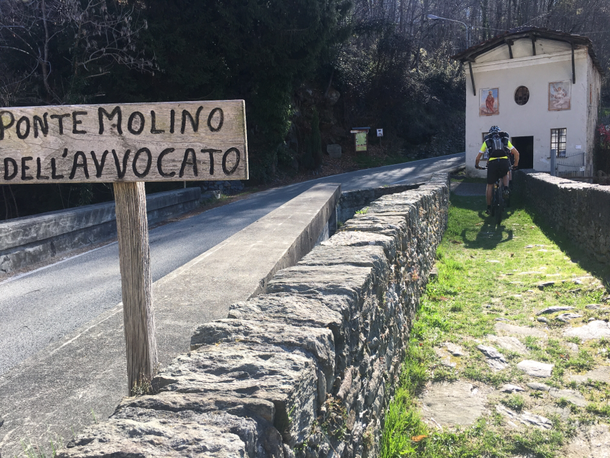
x=40 y=307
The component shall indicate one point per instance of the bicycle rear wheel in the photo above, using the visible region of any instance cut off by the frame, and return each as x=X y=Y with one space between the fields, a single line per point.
x=499 y=202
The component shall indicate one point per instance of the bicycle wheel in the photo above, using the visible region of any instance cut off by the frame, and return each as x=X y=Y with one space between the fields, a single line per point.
x=499 y=203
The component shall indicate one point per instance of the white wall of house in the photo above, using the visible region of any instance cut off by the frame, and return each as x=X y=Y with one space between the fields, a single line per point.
x=593 y=101
x=552 y=63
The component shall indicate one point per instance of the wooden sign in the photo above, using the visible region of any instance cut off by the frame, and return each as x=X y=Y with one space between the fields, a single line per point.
x=127 y=144
x=172 y=141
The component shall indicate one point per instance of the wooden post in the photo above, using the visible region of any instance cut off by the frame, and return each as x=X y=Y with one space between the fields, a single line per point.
x=136 y=282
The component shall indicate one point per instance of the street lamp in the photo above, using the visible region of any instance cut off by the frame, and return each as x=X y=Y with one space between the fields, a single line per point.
x=434 y=17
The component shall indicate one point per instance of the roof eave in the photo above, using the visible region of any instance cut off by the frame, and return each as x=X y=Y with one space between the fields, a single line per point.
x=471 y=54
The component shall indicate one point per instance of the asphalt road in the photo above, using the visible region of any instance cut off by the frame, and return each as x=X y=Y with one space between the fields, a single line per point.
x=41 y=306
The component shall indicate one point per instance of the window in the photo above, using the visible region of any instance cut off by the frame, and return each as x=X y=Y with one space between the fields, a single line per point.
x=522 y=95
x=558 y=141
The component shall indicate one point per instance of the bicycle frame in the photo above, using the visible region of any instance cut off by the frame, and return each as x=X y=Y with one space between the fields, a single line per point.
x=497 y=203
x=497 y=198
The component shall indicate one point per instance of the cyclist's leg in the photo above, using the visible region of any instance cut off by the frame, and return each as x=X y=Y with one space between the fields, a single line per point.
x=505 y=180
x=504 y=171
x=511 y=158
x=491 y=179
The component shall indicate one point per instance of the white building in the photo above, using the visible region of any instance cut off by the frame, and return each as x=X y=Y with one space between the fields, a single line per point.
x=540 y=86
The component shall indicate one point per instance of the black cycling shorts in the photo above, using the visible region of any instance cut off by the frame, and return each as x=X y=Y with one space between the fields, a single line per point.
x=497 y=169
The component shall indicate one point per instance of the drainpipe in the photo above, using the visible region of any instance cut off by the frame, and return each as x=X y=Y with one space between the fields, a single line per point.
x=474 y=90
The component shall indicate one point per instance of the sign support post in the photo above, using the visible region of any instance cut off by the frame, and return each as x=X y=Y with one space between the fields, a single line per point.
x=136 y=283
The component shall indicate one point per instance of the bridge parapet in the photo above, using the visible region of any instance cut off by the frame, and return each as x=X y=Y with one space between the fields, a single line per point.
x=307 y=367
x=577 y=209
x=32 y=239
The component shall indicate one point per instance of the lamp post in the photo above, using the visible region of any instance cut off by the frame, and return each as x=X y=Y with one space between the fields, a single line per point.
x=434 y=17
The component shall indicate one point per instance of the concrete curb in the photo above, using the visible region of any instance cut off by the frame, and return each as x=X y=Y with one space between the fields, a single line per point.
x=32 y=239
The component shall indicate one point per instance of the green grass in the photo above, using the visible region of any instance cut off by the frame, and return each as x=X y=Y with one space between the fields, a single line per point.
x=514 y=402
x=33 y=451
x=485 y=274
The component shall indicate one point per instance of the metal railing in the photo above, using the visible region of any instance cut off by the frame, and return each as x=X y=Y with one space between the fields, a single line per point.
x=570 y=165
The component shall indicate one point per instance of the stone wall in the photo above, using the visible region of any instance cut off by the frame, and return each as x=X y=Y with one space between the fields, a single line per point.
x=353 y=201
x=32 y=239
x=305 y=369
x=579 y=210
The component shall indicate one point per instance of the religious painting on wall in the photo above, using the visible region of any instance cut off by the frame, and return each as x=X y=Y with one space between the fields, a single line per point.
x=490 y=103
x=559 y=96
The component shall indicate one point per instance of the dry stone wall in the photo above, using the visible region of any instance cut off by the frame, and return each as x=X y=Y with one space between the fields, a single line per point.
x=305 y=369
x=352 y=201
x=580 y=210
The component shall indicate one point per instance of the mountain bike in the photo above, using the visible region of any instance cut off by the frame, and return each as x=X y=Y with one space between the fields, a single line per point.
x=497 y=199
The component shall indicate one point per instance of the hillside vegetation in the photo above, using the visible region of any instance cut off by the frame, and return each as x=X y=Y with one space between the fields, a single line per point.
x=309 y=70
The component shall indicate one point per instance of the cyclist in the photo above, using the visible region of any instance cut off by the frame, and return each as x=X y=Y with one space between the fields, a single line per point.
x=498 y=146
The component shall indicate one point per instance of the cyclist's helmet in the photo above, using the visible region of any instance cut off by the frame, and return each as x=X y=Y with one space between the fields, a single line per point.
x=494 y=130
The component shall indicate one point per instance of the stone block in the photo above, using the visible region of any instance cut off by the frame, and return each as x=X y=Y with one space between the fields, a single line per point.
x=334 y=151
x=286 y=378
x=158 y=433
x=317 y=343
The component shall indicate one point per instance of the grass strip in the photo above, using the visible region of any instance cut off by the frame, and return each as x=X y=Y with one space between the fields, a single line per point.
x=488 y=274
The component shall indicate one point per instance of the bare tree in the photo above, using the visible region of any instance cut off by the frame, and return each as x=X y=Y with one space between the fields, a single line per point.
x=46 y=46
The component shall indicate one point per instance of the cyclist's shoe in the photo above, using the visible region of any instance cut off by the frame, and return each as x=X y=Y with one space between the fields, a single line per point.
x=488 y=210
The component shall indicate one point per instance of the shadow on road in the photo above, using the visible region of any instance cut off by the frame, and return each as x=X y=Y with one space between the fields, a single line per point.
x=486 y=234
x=488 y=237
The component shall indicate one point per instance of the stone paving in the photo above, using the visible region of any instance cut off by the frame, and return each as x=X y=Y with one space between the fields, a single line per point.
x=461 y=403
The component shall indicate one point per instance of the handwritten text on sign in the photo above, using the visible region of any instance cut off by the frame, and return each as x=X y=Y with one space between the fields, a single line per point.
x=178 y=141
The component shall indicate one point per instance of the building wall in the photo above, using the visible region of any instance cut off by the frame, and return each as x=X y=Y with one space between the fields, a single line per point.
x=593 y=101
x=553 y=63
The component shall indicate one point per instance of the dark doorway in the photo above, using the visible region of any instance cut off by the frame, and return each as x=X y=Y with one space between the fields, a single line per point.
x=525 y=146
